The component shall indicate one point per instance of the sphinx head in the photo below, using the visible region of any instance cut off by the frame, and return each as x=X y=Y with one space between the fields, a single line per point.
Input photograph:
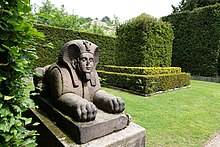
x=80 y=55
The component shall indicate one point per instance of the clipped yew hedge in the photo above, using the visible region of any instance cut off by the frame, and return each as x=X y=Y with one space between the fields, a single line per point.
x=48 y=54
x=196 y=45
x=142 y=70
x=144 y=80
x=144 y=41
x=144 y=84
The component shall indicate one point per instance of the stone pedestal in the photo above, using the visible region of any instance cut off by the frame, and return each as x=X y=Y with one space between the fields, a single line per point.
x=57 y=129
x=82 y=132
x=50 y=135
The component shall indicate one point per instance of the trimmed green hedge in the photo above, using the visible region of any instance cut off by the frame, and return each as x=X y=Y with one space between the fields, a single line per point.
x=59 y=36
x=142 y=70
x=145 y=84
x=197 y=40
x=144 y=41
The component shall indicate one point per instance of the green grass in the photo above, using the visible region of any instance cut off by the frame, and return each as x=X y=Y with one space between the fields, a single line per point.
x=187 y=117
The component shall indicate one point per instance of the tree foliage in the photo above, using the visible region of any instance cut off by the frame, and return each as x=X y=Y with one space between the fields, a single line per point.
x=16 y=54
x=192 y=4
x=48 y=14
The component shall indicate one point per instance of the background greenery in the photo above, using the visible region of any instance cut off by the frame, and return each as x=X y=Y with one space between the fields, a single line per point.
x=187 y=117
x=56 y=37
x=196 y=45
x=196 y=32
x=150 y=46
x=48 y=14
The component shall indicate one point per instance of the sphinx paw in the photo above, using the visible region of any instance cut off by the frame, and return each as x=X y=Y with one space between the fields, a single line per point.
x=86 y=111
x=116 y=105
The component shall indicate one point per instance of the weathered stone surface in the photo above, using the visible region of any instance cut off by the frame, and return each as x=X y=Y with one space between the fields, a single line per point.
x=132 y=136
x=82 y=132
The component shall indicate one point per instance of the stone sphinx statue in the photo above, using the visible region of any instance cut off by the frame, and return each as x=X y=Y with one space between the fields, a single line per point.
x=73 y=83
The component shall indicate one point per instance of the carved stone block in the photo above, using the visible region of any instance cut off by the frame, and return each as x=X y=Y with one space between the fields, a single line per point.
x=82 y=132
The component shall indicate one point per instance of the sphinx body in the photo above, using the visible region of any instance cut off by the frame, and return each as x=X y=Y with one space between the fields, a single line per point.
x=73 y=83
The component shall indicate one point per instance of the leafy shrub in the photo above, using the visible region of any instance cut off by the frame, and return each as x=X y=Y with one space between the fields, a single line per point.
x=144 y=41
x=196 y=45
x=17 y=53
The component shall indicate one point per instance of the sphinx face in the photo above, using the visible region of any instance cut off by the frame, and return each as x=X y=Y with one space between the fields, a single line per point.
x=86 y=62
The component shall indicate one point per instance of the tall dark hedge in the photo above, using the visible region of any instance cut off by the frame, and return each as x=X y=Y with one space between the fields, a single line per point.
x=59 y=36
x=197 y=40
x=144 y=41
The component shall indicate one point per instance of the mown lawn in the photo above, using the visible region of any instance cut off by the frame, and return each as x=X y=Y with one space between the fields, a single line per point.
x=182 y=118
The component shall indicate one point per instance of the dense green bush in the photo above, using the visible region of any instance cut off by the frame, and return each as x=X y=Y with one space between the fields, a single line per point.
x=196 y=45
x=59 y=36
x=144 y=41
x=145 y=84
x=17 y=52
x=142 y=70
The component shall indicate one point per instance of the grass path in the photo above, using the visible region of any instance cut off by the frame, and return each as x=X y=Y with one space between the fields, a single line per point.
x=187 y=117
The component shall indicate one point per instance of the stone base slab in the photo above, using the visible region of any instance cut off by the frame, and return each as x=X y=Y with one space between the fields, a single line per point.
x=82 y=132
x=50 y=135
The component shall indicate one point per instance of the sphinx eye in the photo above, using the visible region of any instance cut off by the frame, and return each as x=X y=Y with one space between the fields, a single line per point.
x=83 y=59
x=91 y=59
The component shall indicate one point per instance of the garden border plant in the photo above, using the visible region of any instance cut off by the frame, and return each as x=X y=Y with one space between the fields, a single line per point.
x=17 y=52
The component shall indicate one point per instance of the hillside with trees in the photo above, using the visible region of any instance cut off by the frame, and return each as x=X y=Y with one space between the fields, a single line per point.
x=48 y=14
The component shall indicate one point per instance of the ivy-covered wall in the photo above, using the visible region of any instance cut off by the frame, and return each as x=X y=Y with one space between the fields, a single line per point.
x=197 y=40
x=144 y=41
x=59 y=36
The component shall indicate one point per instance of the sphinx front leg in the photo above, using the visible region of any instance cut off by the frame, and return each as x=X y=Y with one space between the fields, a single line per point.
x=77 y=107
x=108 y=102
